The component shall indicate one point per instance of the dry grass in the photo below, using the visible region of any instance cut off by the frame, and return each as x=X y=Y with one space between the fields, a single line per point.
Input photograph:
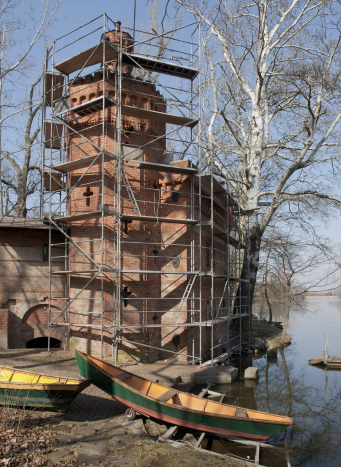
x=147 y=453
x=263 y=329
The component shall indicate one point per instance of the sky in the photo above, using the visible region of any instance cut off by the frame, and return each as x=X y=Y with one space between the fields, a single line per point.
x=74 y=13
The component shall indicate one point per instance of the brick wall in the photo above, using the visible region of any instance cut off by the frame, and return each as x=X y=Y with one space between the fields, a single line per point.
x=24 y=286
x=146 y=246
x=4 y=314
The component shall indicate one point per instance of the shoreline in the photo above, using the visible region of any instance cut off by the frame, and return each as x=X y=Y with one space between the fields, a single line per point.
x=268 y=336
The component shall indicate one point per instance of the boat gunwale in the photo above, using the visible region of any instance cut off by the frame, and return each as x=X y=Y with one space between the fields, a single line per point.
x=183 y=408
x=76 y=383
x=46 y=386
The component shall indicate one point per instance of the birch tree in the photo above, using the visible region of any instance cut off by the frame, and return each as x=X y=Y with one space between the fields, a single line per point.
x=273 y=108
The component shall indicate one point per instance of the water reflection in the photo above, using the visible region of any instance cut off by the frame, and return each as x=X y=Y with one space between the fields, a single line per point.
x=291 y=387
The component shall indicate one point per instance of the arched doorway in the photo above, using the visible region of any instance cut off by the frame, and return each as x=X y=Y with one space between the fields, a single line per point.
x=42 y=343
x=35 y=328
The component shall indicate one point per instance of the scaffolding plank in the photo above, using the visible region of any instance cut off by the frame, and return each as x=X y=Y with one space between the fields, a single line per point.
x=214 y=275
x=95 y=326
x=89 y=107
x=80 y=217
x=207 y=323
x=54 y=141
x=159 y=66
x=170 y=220
x=162 y=167
x=158 y=116
x=53 y=180
x=53 y=81
x=169 y=325
x=93 y=214
x=143 y=271
x=221 y=233
x=219 y=192
x=84 y=162
x=221 y=358
x=236 y=243
x=80 y=271
x=77 y=62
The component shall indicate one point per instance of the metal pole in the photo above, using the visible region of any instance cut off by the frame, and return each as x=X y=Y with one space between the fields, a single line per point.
x=43 y=114
x=199 y=199
x=50 y=198
x=134 y=19
x=102 y=189
x=118 y=210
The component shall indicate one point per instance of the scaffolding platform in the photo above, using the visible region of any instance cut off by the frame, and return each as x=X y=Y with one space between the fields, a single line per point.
x=89 y=107
x=162 y=117
x=219 y=192
x=127 y=217
x=174 y=169
x=159 y=66
x=94 y=56
x=89 y=57
x=181 y=261
x=84 y=162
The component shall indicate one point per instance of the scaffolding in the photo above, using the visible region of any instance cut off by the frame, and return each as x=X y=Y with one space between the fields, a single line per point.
x=155 y=243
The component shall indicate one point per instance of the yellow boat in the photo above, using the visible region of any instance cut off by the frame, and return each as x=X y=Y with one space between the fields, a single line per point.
x=20 y=388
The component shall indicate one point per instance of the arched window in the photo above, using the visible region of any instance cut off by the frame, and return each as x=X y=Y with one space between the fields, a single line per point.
x=133 y=101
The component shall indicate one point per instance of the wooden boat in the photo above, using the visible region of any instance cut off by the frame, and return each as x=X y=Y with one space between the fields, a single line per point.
x=176 y=407
x=19 y=388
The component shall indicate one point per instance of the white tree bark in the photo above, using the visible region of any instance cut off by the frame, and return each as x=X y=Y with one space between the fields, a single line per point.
x=274 y=105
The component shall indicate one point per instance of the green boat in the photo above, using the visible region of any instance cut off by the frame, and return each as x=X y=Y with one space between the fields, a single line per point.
x=19 y=388
x=176 y=407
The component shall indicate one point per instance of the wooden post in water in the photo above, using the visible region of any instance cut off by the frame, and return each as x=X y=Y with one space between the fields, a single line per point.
x=325 y=348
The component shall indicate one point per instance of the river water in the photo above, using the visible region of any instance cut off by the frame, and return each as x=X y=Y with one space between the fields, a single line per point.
x=289 y=386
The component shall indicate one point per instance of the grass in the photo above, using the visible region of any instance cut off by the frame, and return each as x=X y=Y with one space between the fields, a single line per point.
x=264 y=329
x=148 y=453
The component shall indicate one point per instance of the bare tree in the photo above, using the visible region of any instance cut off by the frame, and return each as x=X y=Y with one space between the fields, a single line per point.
x=289 y=266
x=273 y=107
x=26 y=174
x=15 y=64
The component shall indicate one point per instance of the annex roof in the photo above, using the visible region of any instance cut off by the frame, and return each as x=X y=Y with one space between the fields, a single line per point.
x=22 y=223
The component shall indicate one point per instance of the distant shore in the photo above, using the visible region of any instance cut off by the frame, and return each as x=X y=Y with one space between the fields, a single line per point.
x=322 y=296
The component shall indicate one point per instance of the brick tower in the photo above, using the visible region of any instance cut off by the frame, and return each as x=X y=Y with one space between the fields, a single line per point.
x=147 y=266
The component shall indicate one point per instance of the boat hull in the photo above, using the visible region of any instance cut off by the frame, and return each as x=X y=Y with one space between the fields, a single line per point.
x=177 y=415
x=56 y=399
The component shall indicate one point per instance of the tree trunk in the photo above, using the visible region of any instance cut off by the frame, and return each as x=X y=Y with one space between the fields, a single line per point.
x=246 y=288
x=266 y=288
x=286 y=319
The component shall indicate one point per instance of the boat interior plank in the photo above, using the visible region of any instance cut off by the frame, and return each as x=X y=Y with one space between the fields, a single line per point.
x=221 y=409
x=167 y=395
x=5 y=374
x=140 y=384
x=192 y=402
x=123 y=376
